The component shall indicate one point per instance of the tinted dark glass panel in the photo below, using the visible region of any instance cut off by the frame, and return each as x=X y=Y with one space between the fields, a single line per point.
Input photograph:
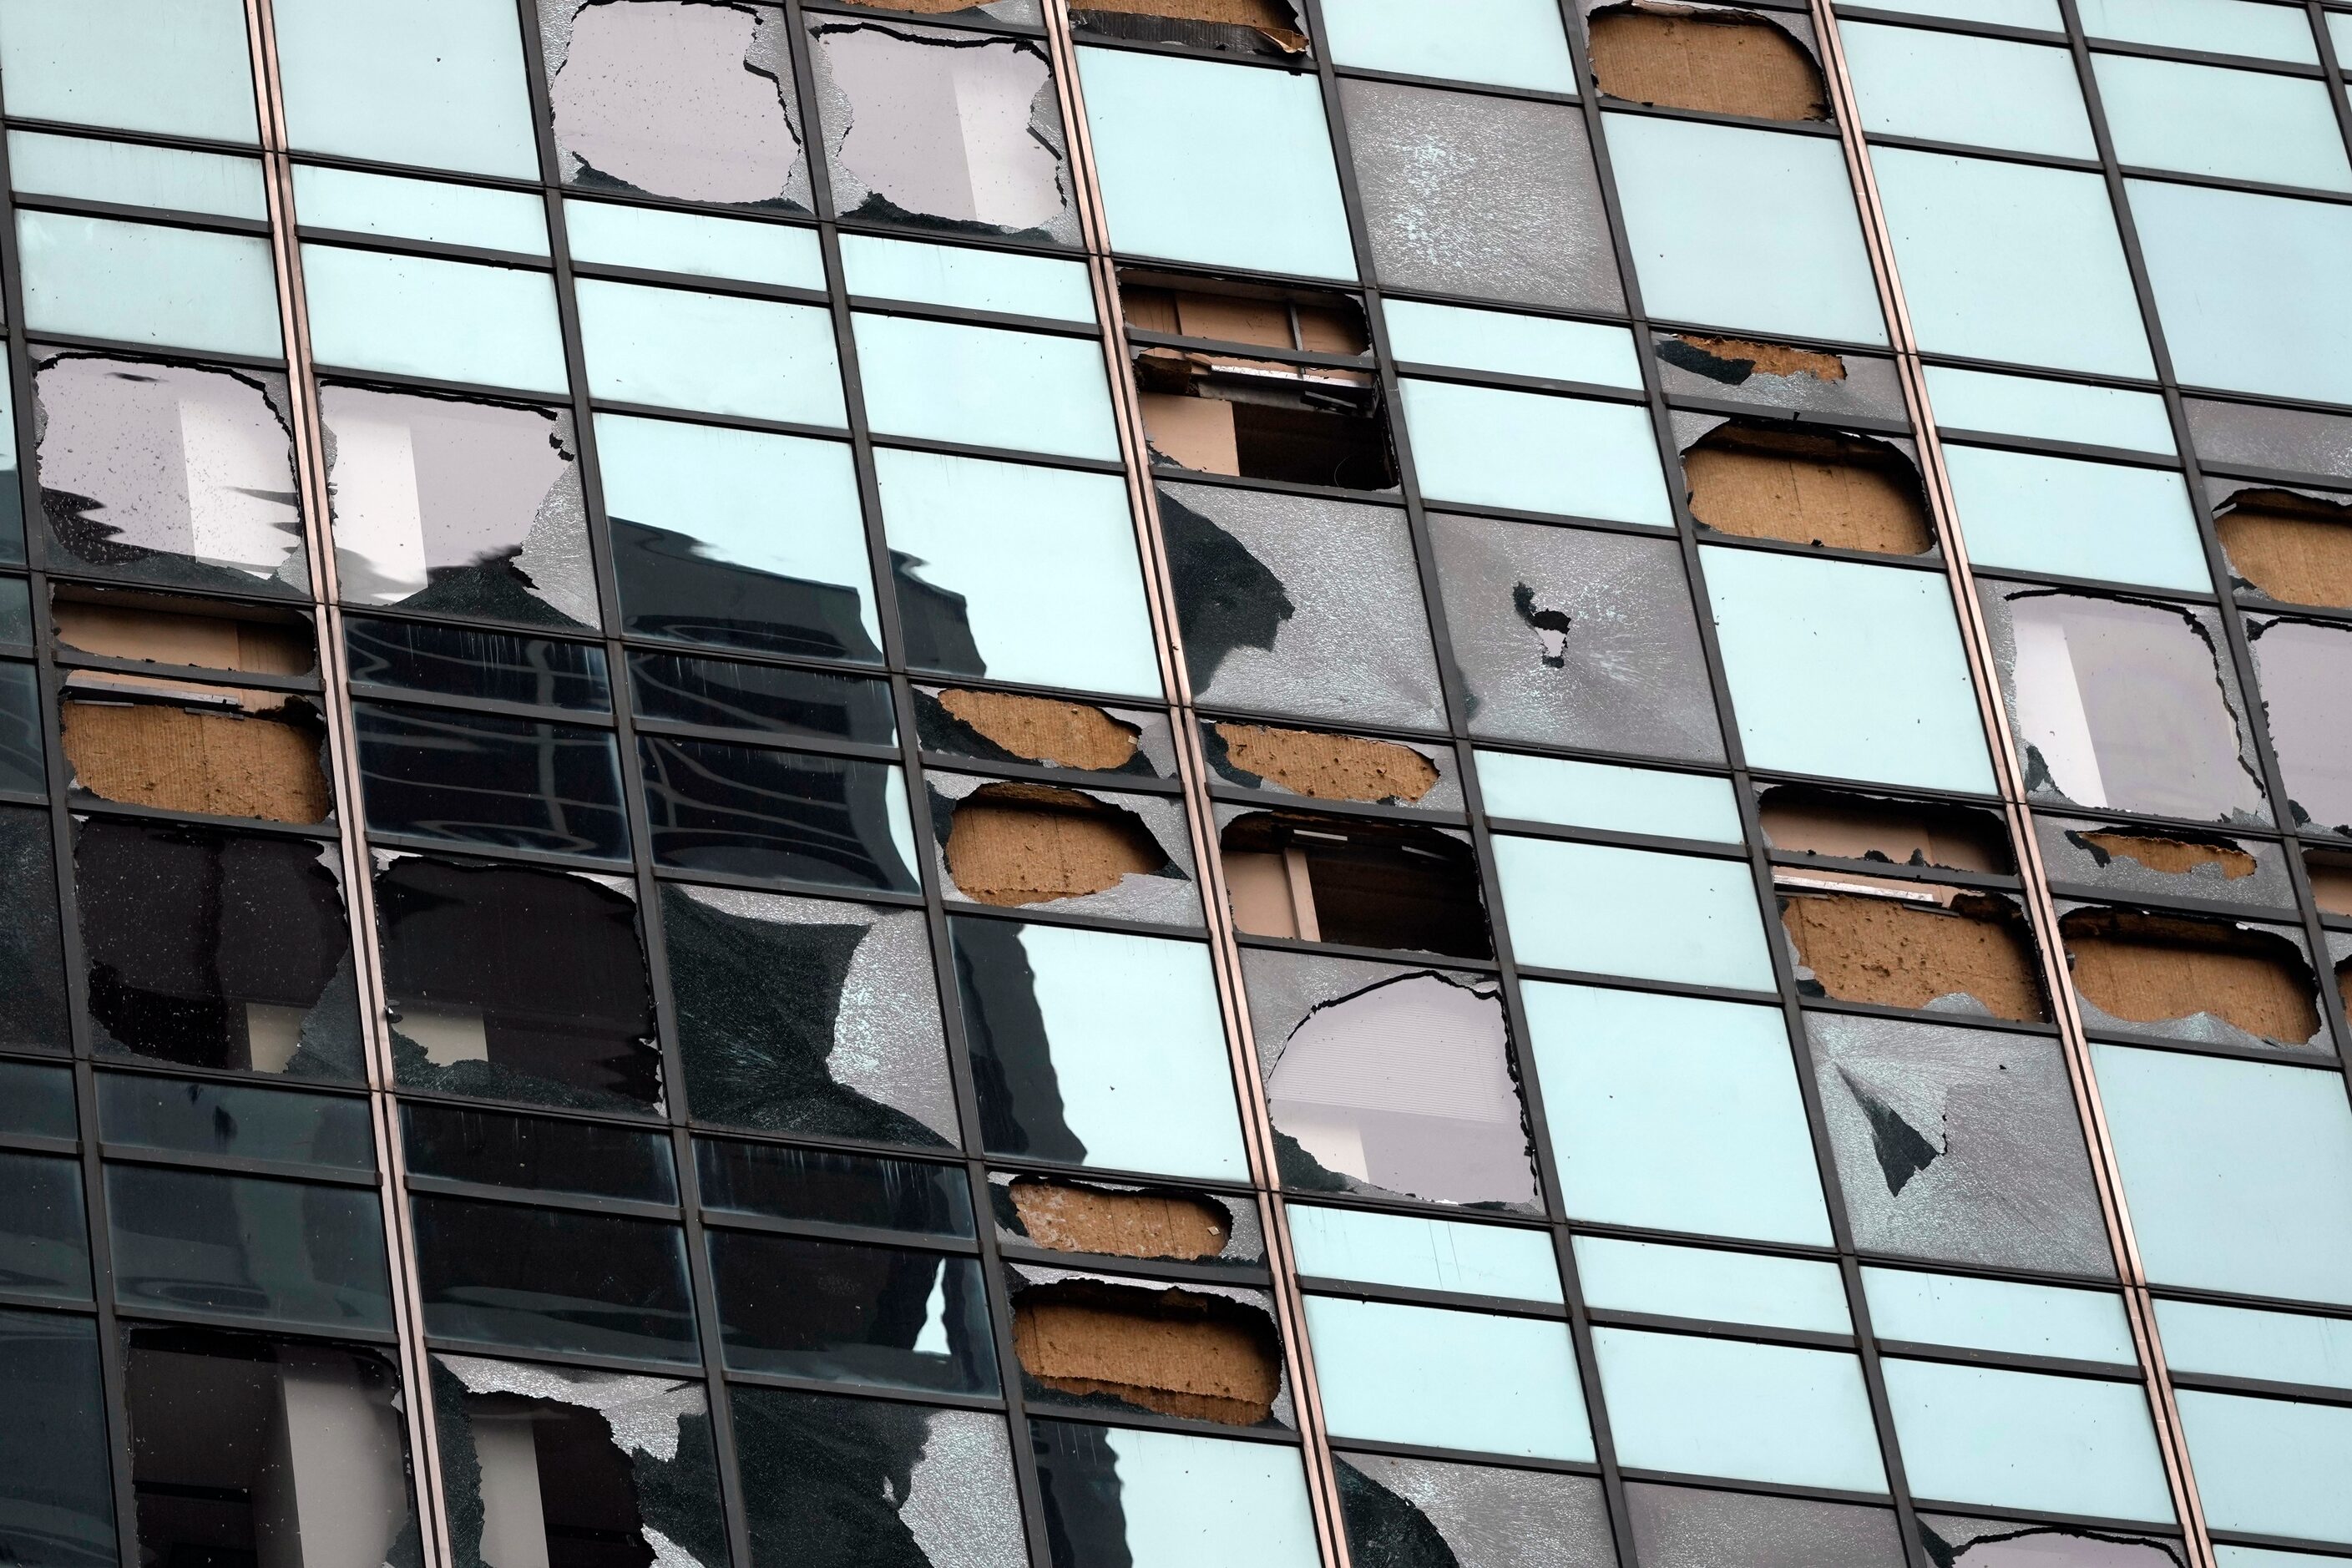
x=473 y=779
x=752 y=813
x=852 y=1314
x=32 y=958
x=764 y=697
x=586 y=1284
x=843 y=1189
x=44 y=1244
x=56 y=1505
x=462 y=1145
x=229 y=1119
x=21 y=767
x=466 y=661
x=673 y=587
x=37 y=1099
x=294 y=1252
x=15 y=597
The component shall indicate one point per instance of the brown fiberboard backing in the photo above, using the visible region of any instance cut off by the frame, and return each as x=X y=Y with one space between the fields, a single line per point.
x=1014 y=844
x=1069 y=1218
x=1767 y=483
x=1768 y=358
x=180 y=760
x=2174 y=857
x=1676 y=56
x=1179 y=1352
x=1329 y=767
x=1268 y=17
x=1897 y=954
x=2295 y=549
x=1043 y=730
x=2149 y=968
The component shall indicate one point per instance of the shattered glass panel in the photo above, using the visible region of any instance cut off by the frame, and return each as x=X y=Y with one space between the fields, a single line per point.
x=2005 y=1316
x=2003 y=1543
x=983 y=386
x=2071 y=518
x=1959 y=1144
x=1684 y=1527
x=842 y=1313
x=180 y=69
x=1385 y=1079
x=234 y=1121
x=553 y=1280
x=717 y=354
x=461 y=1144
x=835 y=1482
x=32 y=956
x=2266 y=331
x=2270 y=1465
x=1472 y=1381
x=436 y=82
x=767 y=698
x=217 y=950
x=2305 y=668
x=468 y=661
x=1116 y=1497
x=1410 y=1512
x=561 y=1465
x=197 y=1241
x=675 y=98
x=1417 y=1254
x=1508 y=43
x=2028 y=1440
x=838 y=1189
x=793 y=815
x=1570 y=637
x=1952 y=86
x=806 y=1015
x=55 y=1496
x=1486 y=197
x=1751 y=1412
x=444 y=320
x=457 y=509
x=2166 y=863
x=168 y=473
x=140 y=283
x=44 y=1243
x=953 y=132
x=1708 y=1286
x=481 y=779
x=1487 y=446
x=1602 y=910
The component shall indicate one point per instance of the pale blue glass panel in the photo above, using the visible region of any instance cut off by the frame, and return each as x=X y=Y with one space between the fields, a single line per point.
x=96 y=277
x=165 y=177
x=2051 y=410
x=1675 y=1114
x=963 y=276
x=1603 y=910
x=1482 y=446
x=611 y=235
x=2024 y=1439
x=760 y=358
x=1877 y=647
x=2073 y=518
x=1754 y=229
x=1044 y=559
x=431 y=210
x=1391 y=1373
x=2230 y=1556
x=2234 y=124
x=1956 y=87
x=2239 y=1341
x=1714 y=1287
x=2209 y=26
x=1425 y=1254
x=2009 y=261
x=1191 y=1501
x=2270 y=1466
x=2239 y=1174
x=2339 y=33
x=452 y=321
x=437 y=83
x=1609 y=797
x=1755 y=1413
x=2276 y=327
x=985 y=386
x=1249 y=184
x=2041 y=14
x=1509 y=43
x=178 y=66
x=1997 y=1315
x=1506 y=344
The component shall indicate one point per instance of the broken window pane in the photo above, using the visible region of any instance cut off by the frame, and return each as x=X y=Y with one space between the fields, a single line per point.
x=838 y=1189
x=245 y=1449
x=2122 y=703
x=217 y=950
x=2224 y=983
x=1614 y=799
x=2071 y=518
x=1448 y=1380
x=2019 y=1440
x=483 y=1147
x=1114 y=1496
x=2303 y=666
x=1507 y=43
x=2005 y=1316
x=140 y=283
x=172 y=628
x=840 y=1313
x=1603 y=910
x=1905 y=944
x=1003 y=281
x=652 y=240
x=1006 y=727
x=2270 y=1465
x=44 y=1242
x=675 y=98
x=1958 y=1144
x=437 y=84
x=1485 y=446
x=1571 y=638
x=244 y=1123
x=448 y=507
x=568 y=1467
x=794 y=815
x=1265 y=27
x=1022 y=845
x=1751 y=1411
x=1098 y=1048
x=1385 y=1079
x=2167 y=863
x=195 y=749
x=1708 y=1286
x=1717 y=60
x=468 y=661
x=516 y=982
x=1417 y=1254
x=2231 y=124
x=2288 y=545
x=1786 y=482
x=1684 y=1527
x=1262 y=418
x=2261 y=333
x=444 y=320
x=1355 y=883
x=807 y=1016
x=55 y=1494
x=1321 y=766
x=766 y=698
x=1675 y=1114
x=180 y=69
x=553 y=1280
x=836 y=1482
x=1478 y=1518
x=956 y=132
x=1216 y=1354
x=1954 y=87
x=983 y=387
x=194 y=1241
x=1119 y=1220
x=169 y=473
x=476 y=778
x=1490 y=198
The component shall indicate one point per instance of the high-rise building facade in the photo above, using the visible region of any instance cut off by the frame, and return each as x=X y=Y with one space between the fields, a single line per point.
x=1165 y=784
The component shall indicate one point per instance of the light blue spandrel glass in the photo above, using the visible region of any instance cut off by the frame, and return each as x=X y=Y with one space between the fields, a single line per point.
x=985 y=386
x=1602 y=909
x=2051 y=410
x=2005 y=1315
x=2042 y=15
x=2233 y=124
x=1997 y=1439
x=2269 y=1347
x=715 y=353
x=2339 y=33
x=1251 y=182
x=696 y=244
x=1749 y=1412
x=2270 y=1466
x=1505 y=344
x=1484 y=446
x=1417 y=1254
x=179 y=68
x=2010 y=261
x=170 y=179
x=450 y=321
x=1609 y=797
x=1505 y=43
x=437 y=83
x=2272 y=329
x=1748 y=229
x=2206 y=27
x=2230 y=1556
x=143 y=283
x=1443 y=1379
x=966 y=276
x=2206 y=1141
x=1878 y=645
x=1957 y=87
x=1711 y=1285
x=1675 y=1114
x=1188 y=1500
x=2068 y=518
x=430 y=210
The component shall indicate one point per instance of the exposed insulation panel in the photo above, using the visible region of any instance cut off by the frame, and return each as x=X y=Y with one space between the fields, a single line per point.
x=1835 y=490
x=1722 y=63
x=1179 y=1352
x=1750 y=357
x=1070 y=1218
x=2296 y=548
x=1270 y=17
x=2176 y=857
x=183 y=759
x=1897 y=954
x=1329 y=767
x=1014 y=844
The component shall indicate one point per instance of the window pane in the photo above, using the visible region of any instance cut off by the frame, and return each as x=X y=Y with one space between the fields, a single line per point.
x=177 y=67
x=750 y=812
x=1951 y=87
x=976 y=280
x=56 y=1499
x=474 y=778
x=2263 y=330
x=944 y=382
x=240 y=1123
x=136 y=283
x=1712 y=1287
x=466 y=661
x=2238 y=1342
x=1758 y=1413
x=2000 y=1315
x=1510 y=43
x=2237 y=125
x=1448 y=1380
x=2214 y=27
x=695 y=243
x=196 y=1242
x=1425 y=1254
x=1614 y=799
x=448 y=321
x=2071 y=518
x=770 y=698
x=673 y=348
x=436 y=82
x=2019 y=1440
x=1482 y=446
x=1158 y=1499
x=430 y=210
x=2270 y=1466
x=893 y=1317
x=554 y=1281
x=1606 y=911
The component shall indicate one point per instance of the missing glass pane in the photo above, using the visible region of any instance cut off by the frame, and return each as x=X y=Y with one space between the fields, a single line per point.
x=1353 y=881
x=205 y=750
x=550 y=1280
x=2216 y=981
x=1807 y=487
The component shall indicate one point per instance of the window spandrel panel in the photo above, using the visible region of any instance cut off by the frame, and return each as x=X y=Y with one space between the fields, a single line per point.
x=444 y=320
x=1507 y=43
x=236 y=1120
x=169 y=179
x=2210 y=27
x=2072 y=518
x=2000 y=1439
x=1956 y=87
x=1748 y=1412
x=1709 y=1286
x=1484 y=446
x=435 y=211
x=470 y=661
x=291 y=1251
x=2050 y=410
x=968 y=276
x=1472 y=1381
x=1614 y=799
x=177 y=68
x=438 y=83
x=2231 y=124
x=652 y=239
x=983 y=386
x=714 y=354
x=137 y=282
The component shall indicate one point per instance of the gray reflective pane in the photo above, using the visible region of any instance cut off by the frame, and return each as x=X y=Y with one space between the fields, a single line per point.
x=2241 y=125
x=193 y=1241
x=55 y=1497
x=2304 y=668
x=1684 y=1527
x=799 y=817
x=44 y=1245
x=1119 y=1498
x=2004 y=1543
x=1416 y=1511
x=477 y=778
x=1709 y=1286
x=431 y=210
x=240 y=1123
x=553 y=1281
